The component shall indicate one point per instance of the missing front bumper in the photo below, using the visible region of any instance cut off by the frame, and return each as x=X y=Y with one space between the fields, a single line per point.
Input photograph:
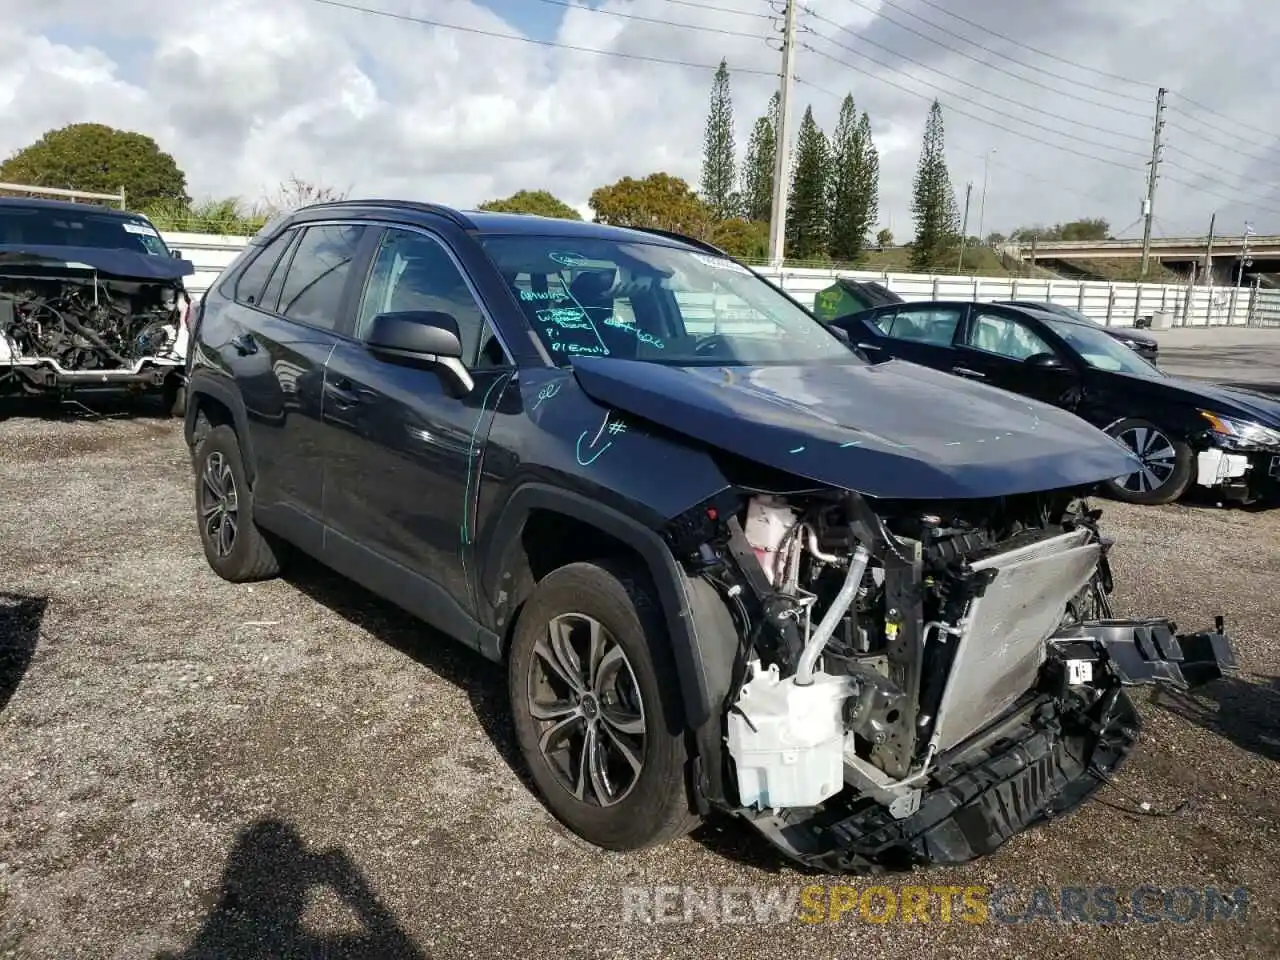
x=1041 y=760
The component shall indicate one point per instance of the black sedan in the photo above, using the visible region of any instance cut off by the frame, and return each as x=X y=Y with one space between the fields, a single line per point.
x=1186 y=431
x=1140 y=343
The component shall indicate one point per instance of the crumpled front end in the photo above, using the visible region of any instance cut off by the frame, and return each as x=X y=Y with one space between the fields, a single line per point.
x=917 y=686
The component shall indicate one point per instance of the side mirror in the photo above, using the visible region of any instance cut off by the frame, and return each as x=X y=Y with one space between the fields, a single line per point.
x=840 y=332
x=420 y=337
x=1045 y=361
x=176 y=254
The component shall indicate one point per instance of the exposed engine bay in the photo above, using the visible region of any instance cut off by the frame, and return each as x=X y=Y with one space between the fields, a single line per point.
x=58 y=327
x=919 y=681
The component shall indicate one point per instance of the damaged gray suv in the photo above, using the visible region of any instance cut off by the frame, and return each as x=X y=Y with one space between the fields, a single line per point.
x=728 y=564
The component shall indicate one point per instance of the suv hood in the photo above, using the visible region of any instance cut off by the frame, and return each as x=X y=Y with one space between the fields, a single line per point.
x=892 y=430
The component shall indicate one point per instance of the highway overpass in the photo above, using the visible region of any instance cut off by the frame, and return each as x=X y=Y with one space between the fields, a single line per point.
x=1176 y=253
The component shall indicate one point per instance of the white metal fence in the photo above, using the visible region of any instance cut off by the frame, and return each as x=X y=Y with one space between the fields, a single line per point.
x=1114 y=304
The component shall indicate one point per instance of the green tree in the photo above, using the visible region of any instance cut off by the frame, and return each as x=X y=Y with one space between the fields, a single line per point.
x=1090 y=229
x=659 y=200
x=1095 y=228
x=757 y=169
x=808 y=219
x=744 y=239
x=933 y=202
x=884 y=238
x=719 y=151
x=541 y=203
x=99 y=159
x=854 y=183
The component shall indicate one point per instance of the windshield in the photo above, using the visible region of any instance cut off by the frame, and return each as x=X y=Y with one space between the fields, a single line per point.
x=1100 y=350
x=647 y=301
x=50 y=227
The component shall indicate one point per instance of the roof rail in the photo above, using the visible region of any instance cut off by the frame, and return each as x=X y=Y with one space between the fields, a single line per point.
x=439 y=209
x=683 y=238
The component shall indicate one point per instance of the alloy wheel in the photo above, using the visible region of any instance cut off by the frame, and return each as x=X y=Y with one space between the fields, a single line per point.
x=219 y=504
x=583 y=694
x=1158 y=456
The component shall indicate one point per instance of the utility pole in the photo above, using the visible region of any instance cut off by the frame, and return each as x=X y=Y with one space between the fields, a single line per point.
x=1207 y=269
x=982 y=204
x=781 y=160
x=964 y=225
x=1244 y=253
x=1150 y=204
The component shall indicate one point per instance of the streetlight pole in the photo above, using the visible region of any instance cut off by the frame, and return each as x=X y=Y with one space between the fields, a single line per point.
x=982 y=204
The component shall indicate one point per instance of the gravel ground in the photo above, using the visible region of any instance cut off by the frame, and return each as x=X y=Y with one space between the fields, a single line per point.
x=194 y=769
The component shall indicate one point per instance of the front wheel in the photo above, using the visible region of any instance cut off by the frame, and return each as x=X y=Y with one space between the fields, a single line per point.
x=233 y=545
x=596 y=707
x=1167 y=464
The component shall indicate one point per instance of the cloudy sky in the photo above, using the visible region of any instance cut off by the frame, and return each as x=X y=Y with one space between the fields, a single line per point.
x=245 y=93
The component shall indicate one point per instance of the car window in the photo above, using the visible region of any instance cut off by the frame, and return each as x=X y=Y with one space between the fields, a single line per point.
x=254 y=276
x=1005 y=336
x=411 y=271
x=657 y=302
x=62 y=227
x=312 y=292
x=932 y=325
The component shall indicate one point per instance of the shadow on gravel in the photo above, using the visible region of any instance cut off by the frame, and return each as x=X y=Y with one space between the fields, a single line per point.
x=1247 y=714
x=265 y=888
x=87 y=405
x=483 y=680
x=20 y=618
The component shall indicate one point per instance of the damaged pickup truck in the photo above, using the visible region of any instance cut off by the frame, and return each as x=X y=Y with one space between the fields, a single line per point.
x=89 y=297
x=729 y=564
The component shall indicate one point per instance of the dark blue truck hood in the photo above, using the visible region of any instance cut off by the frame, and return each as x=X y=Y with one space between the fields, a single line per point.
x=125 y=264
x=893 y=429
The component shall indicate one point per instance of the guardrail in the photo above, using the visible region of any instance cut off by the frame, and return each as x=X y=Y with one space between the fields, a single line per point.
x=1113 y=304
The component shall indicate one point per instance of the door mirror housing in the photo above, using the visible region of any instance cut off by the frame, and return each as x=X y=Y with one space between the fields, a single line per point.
x=175 y=254
x=422 y=338
x=840 y=332
x=1045 y=361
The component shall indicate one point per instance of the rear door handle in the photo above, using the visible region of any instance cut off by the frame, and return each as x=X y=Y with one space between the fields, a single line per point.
x=343 y=391
x=971 y=374
x=244 y=344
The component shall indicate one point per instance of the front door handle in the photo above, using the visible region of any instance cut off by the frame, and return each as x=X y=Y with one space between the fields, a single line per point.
x=343 y=392
x=244 y=344
x=971 y=374
x=869 y=346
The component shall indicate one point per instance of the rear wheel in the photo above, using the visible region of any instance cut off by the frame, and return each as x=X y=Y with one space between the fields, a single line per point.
x=233 y=545
x=596 y=708
x=1166 y=464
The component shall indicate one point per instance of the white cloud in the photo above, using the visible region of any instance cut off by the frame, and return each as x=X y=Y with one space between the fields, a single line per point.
x=246 y=93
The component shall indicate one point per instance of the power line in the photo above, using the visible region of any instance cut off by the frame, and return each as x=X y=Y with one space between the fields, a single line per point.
x=934 y=86
x=924 y=96
x=657 y=20
x=718 y=9
x=1056 y=182
x=982 y=90
x=1017 y=43
x=1269 y=134
x=423 y=21
x=1018 y=77
x=1192 y=118
x=1218 y=143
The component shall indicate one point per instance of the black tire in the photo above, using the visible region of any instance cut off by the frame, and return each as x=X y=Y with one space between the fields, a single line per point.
x=1169 y=464
x=246 y=554
x=650 y=807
